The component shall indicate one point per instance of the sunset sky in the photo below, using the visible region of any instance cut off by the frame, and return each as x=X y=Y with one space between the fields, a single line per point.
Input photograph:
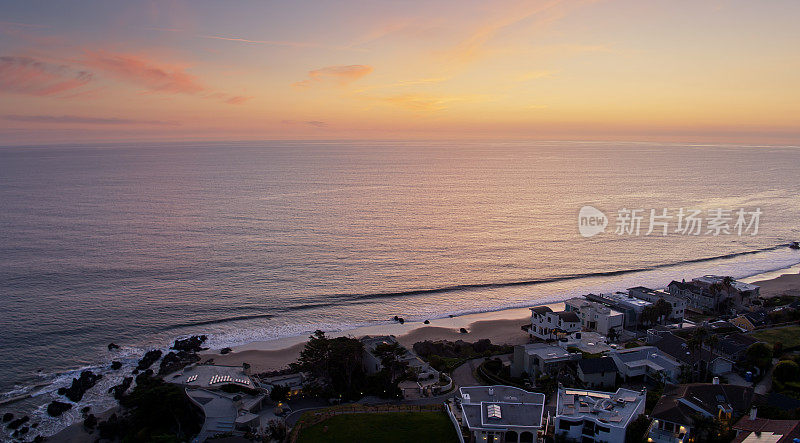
x=673 y=70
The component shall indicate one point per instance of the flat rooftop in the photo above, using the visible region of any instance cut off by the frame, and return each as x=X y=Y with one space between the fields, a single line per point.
x=501 y=407
x=623 y=298
x=614 y=409
x=547 y=351
x=646 y=356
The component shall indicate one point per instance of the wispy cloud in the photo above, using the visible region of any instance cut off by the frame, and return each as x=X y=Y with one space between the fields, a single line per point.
x=426 y=102
x=334 y=75
x=74 y=119
x=313 y=123
x=137 y=70
x=154 y=76
x=287 y=43
x=26 y=75
x=534 y=75
x=473 y=47
x=22 y=25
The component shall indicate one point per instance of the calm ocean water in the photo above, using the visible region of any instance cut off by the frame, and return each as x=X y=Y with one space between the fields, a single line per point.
x=246 y=241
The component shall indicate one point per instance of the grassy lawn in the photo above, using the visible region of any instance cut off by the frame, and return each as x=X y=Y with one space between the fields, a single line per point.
x=789 y=336
x=382 y=427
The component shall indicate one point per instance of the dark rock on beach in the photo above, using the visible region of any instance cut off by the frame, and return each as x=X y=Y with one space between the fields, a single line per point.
x=191 y=344
x=7 y=417
x=116 y=365
x=149 y=358
x=15 y=424
x=427 y=322
x=90 y=422
x=80 y=385
x=119 y=390
x=463 y=331
x=176 y=361
x=56 y=408
x=112 y=346
x=224 y=351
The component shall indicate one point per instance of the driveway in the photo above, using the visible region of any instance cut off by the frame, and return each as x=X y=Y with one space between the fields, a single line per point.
x=463 y=375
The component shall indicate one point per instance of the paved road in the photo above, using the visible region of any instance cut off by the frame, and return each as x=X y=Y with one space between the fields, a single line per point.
x=766 y=383
x=463 y=375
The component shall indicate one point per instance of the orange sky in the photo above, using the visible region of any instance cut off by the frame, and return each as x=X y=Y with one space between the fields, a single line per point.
x=718 y=71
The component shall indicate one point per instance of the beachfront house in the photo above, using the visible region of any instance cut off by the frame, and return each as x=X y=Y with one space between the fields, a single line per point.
x=595 y=316
x=425 y=376
x=675 y=413
x=549 y=325
x=598 y=373
x=595 y=416
x=501 y=413
x=631 y=307
x=535 y=359
x=646 y=362
x=678 y=304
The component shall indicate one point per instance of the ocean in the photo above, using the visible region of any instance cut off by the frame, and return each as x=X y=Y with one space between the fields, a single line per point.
x=138 y=244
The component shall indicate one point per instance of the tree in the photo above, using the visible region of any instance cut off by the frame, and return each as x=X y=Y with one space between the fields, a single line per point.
x=335 y=362
x=786 y=370
x=277 y=429
x=279 y=393
x=663 y=310
x=637 y=430
x=760 y=355
x=389 y=354
x=613 y=335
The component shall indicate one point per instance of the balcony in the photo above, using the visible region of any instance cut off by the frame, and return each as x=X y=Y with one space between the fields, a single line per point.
x=656 y=435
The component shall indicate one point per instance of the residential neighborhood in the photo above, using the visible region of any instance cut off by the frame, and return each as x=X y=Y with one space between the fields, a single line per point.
x=704 y=360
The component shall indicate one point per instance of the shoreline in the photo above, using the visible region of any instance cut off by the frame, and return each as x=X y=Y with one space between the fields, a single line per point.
x=502 y=326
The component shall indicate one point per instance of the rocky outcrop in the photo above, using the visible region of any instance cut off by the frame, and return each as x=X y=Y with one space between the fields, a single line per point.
x=191 y=344
x=80 y=386
x=112 y=346
x=116 y=365
x=119 y=390
x=15 y=424
x=176 y=361
x=7 y=417
x=90 y=422
x=56 y=408
x=149 y=358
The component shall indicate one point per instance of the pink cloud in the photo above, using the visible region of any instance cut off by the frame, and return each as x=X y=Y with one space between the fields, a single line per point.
x=25 y=75
x=336 y=75
x=140 y=71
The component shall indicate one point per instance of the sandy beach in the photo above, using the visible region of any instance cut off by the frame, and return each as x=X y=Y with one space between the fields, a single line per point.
x=501 y=327
x=785 y=284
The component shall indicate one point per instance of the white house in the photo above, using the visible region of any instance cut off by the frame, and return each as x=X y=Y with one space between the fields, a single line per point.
x=646 y=361
x=537 y=358
x=595 y=316
x=598 y=372
x=501 y=413
x=594 y=416
x=547 y=325
x=653 y=295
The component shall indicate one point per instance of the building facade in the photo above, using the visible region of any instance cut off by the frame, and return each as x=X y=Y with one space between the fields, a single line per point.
x=595 y=316
x=595 y=416
x=500 y=414
x=549 y=325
